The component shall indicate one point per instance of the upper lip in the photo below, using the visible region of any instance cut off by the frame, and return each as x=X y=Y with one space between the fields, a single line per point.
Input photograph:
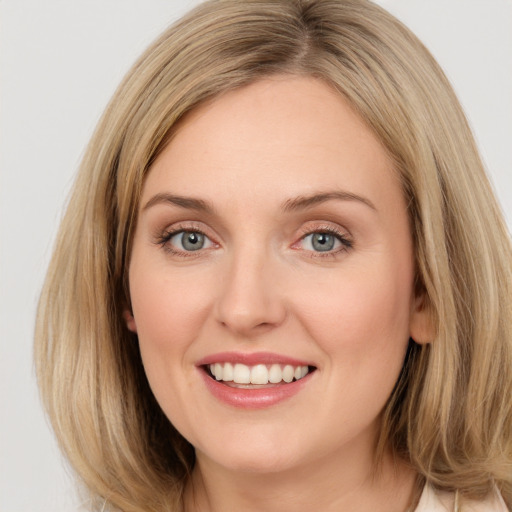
x=251 y=359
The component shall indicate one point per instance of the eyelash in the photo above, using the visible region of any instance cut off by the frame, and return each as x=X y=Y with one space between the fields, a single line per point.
x=346 y=243
x=164 y=239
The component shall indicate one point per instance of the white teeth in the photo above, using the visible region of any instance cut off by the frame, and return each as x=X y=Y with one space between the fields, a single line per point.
x=288 y=373
x=227 y=374
x=241 y=374
x=218 y=371
x=275 y=374
x=258 y=374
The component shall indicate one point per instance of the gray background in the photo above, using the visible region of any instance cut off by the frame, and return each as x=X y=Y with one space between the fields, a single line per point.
x=60 y=61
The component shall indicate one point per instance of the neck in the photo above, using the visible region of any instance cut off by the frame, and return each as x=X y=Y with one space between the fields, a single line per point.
x=330 y=483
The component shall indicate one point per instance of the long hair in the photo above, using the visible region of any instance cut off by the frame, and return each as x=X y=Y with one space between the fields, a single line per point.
x=450 y=415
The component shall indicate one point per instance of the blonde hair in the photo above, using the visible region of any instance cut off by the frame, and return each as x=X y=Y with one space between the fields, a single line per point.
x=450 y=414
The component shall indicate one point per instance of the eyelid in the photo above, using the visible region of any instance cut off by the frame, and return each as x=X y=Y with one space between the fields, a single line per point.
x=342 y=235
x=164 y=236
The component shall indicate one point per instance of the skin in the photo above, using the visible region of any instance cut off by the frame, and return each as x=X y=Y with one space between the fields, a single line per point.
x=259 y=285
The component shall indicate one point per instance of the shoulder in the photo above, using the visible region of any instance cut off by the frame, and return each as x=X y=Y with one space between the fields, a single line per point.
x=433 y=500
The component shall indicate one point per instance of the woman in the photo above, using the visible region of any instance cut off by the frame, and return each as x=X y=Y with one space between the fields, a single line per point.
x=283 y=281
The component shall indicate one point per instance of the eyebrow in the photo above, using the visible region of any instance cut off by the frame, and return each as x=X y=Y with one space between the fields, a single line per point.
x=189 y=203
x=305 y=202
x=290 y=205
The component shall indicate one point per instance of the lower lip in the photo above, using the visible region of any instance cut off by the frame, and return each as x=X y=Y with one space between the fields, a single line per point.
x=259 y=398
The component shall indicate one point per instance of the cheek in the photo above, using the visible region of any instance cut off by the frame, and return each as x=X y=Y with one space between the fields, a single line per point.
x=169 y=313
x=364 y=311
x=361 y=323
x=168 y=309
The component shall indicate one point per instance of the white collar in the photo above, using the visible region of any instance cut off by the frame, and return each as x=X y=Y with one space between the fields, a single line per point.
x=433 y=500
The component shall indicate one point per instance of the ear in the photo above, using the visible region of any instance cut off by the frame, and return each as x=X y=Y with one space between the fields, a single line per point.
x=421 y=323
x=130 y=320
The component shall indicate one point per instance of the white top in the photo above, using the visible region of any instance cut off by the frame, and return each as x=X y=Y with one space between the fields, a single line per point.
x=433 y=500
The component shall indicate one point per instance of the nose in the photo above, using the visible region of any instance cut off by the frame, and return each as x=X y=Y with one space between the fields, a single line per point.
x=251 y=300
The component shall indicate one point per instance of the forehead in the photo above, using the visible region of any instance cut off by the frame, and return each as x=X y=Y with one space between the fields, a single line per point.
x=282 y=136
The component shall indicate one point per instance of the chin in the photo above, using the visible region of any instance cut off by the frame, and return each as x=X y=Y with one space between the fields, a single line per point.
x=259 y=456
x=258 y=463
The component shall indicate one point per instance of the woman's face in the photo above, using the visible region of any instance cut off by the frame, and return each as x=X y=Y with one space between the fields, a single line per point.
x=273 y=244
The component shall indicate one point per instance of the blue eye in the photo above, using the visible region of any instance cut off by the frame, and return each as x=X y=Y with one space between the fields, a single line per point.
x=189 y=241
x=325 y=242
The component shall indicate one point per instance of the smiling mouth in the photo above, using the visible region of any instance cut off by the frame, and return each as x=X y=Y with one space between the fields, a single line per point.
x=258 y=376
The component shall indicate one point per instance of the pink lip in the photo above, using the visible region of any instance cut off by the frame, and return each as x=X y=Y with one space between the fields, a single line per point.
x=259 y=398
x=253 y=398
x=250 y=359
